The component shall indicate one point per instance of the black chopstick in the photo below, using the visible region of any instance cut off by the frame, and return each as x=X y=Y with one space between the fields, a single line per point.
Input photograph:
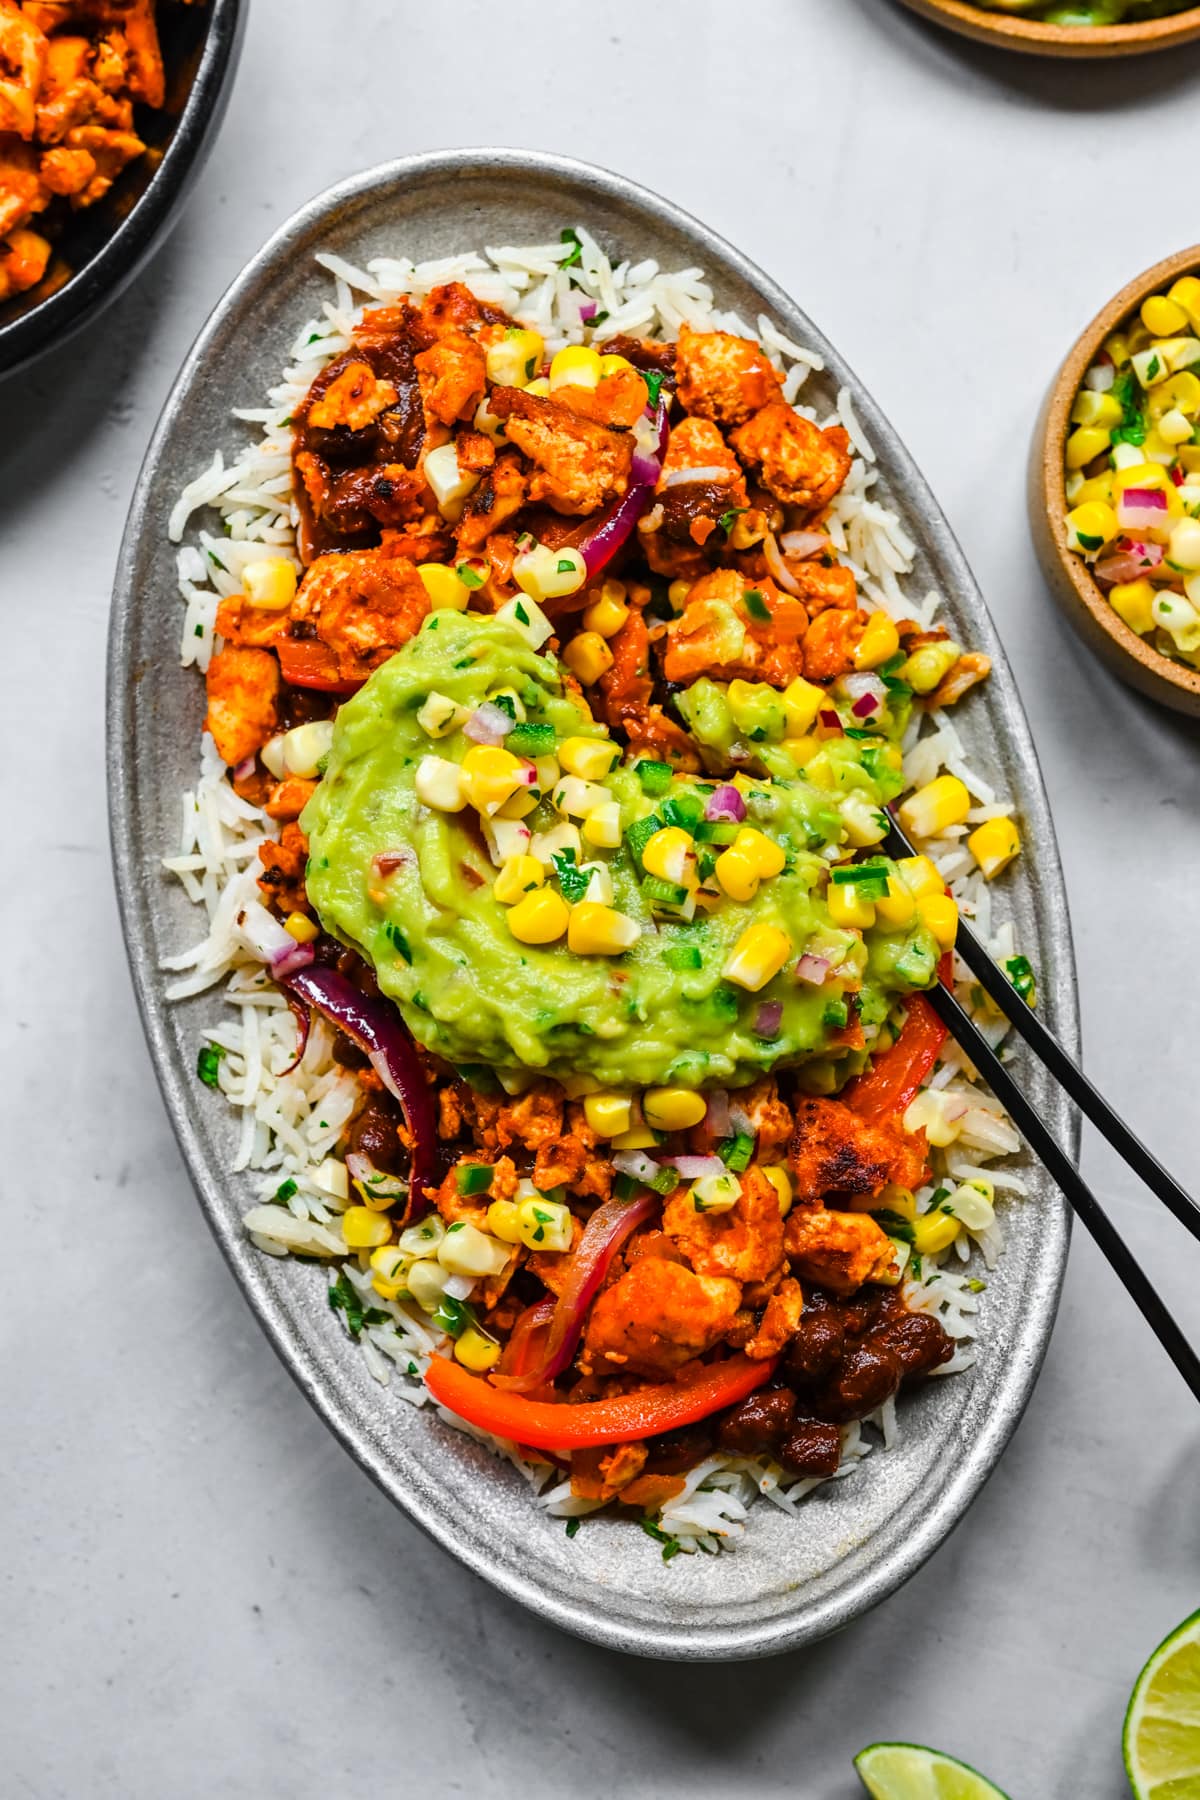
x=1065 y=1070
x=1063 y=1171
x=1043 y=1143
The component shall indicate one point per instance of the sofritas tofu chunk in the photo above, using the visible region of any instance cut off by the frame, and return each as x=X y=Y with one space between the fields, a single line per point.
x=797 y=462
x=243 y=701
x=362 y=605
x=579 y=466
x=835 y=1153
x=722 y=377
x=837 y=1250
x=745 y=1243
x=658 y=1316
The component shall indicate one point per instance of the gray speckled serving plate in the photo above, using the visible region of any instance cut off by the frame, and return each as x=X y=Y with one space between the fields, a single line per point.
x=789 y=1581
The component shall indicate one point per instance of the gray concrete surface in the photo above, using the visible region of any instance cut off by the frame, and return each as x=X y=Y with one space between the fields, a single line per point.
x=202 y=1597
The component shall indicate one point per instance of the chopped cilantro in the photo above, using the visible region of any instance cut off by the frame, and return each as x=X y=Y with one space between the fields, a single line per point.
x=895 y=1225
x=208 y=1062
x=283 y=1192
x=1019 y=970
x=671 y=1545
x=572 y=1527
x=571 y=879
x=571 y=236
x=653 y=379
x=727 y=518
x=453 y=1315
x=397 y=939
x=344 y=1298
x=520 y=613
x=469 y=575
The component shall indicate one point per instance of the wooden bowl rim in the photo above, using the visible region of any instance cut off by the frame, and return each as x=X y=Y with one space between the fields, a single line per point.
x=1054 y=437
x=1062 y=40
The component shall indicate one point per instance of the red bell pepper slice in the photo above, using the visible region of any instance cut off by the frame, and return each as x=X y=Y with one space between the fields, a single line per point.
x=306 y=662
x=623 y=1419
x=897 y=1076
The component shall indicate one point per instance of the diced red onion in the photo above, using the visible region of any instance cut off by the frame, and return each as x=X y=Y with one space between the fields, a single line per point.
x=488 y=724
x=741 y=1121
x=780 y=573
x=829 y=721
x=867 y=693
x=717 y=1116
x=768 y=1019
x=1178 y=474
x=603 y=1235
x=245 y=769
x=800 y=545
x=1130 y=561
x=711 y=472
x=725 y=804
x=263 y=933
x=601 y=545
x=812 y=969
x=636 y=1163
x=1141 y=509
x=377 y=1028
x=696 y=1168
x=587 y=311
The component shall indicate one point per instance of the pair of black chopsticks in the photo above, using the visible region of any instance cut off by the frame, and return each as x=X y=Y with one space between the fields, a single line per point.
x=1092 y=1104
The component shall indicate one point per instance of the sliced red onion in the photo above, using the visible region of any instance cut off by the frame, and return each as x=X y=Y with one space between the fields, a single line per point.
x=636 y=1163
x=812 y=969
x=800 y=545
x=829 y=721
x=377 y=1182
x=1141 y=509
x=603 y=1235
x=601 y=545
x=726 y=805
x=376 y=1027
x=780 y=573
x=386 y=862
x=303 y=1017
x=488 y=724
x=1130 y=560
x=768 y=1019
x=717 y=1116
x=696 y=1168
x=711 y=472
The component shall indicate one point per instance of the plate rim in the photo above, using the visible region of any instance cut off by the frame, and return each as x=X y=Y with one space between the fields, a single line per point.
x=665 y=1640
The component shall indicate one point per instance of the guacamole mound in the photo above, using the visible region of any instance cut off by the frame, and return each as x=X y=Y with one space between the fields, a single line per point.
x=410 y=888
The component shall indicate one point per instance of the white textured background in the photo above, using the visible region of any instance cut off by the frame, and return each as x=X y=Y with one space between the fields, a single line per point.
x=202 y=1596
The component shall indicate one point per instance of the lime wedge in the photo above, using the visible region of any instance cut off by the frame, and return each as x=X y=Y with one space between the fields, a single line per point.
x=911 y=1772
x=1162 y=1726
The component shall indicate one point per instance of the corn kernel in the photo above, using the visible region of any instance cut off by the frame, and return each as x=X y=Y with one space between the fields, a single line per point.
x=301 y=927
x=426 y=1283
x=545 y=1224
x=446 y=592
x=757 y=957
x=934 y=808
x=893 y=1274
x=519 y=876
x=440 y=784
x=738 y=874
x=363 y=1228
x=422 y=1239
x=1133 y=601
x=939 y=915
x=608 y=1114
x=518 y=806
x=1180 y=394
x=576 y=366
x=1186 y=293
x=599 y=930
x=766 y=855
x=994 y=844
x=928 y=664
x=897 y=907
x=849 y=907
x=669 y=855
x=677 y=594
x=503 y=1222
x=515 y=360
x=465 y=1250
x=540 y=917
x=602 y=826
x=491 y=776
x=715 y=1193
x=1183 y=547
x=546 y=574
x=546 y=845
x=389 y=1265
x=607 y=614
x=673 y=1109
x=973 y=1204
x=933 y=1232
x=864 y=822
x=526 y=617
x=304 y=747
x=802 y=700
x=439 y=715
x=588 y=657
x=638 y=1137
x=590 y=758
x=1163 y=317
x=476 y=1351
x=801 y=750
x=1091 y=408
x=920 y=876
x=1085 y=443
x=612 y=364
x=879 y=641
x=899 y=1200
x=1090 y=527
x=938 y=1114
x=271 y=584
x=781 y=1181
x=450 y=483
x=540 y=387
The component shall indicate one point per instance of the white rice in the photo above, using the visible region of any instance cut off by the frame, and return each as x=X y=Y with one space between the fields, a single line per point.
x=292 y=1123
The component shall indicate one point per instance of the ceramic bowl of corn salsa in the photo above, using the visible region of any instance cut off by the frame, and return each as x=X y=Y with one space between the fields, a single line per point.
x=1115 y=483
x=1069 y=27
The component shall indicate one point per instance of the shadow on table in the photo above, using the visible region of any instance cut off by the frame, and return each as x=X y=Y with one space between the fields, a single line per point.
x=1106 y=84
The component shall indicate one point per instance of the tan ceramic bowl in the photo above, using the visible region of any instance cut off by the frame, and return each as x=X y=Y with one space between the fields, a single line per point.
x=1128 y=655
x=1035 y=38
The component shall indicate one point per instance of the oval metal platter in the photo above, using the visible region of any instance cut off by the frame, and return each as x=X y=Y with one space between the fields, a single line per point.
x=790 y=1580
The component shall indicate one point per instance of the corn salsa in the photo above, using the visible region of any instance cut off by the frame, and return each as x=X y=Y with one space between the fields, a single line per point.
x=1133 y=471
x=1090 y=12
